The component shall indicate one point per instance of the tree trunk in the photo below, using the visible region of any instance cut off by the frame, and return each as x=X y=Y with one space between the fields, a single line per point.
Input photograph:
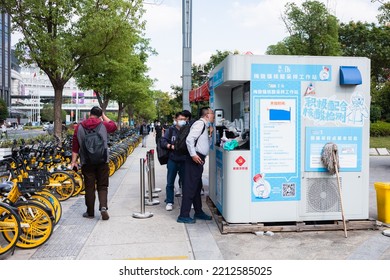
x=103 y=100
x=58 y=110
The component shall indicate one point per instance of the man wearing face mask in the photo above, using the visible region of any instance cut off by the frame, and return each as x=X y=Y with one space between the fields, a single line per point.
x=175 y=161
x=198 y=144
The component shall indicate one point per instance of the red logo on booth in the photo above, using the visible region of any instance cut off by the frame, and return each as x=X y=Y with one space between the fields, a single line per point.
x=240 y=160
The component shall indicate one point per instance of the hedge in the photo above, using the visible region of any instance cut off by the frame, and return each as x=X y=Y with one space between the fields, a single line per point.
x=380 y=129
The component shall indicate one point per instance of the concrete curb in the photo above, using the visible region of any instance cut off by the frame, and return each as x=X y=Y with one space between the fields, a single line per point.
x=379 y=152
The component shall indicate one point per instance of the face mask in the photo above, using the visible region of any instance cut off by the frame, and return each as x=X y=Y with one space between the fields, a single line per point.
x=174 y=122
x=181 y=123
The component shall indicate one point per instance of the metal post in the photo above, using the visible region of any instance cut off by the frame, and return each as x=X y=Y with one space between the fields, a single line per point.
x=150 y=201
x=153 y=174
x=150 y=175
x=77 y=105
x=142 y=214
x=187 y=52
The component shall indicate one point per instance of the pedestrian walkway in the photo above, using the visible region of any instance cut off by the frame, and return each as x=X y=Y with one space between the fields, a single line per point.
x=122 y=236
x=160 y=237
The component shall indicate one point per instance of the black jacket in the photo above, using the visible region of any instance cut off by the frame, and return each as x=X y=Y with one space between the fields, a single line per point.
x=169 y=138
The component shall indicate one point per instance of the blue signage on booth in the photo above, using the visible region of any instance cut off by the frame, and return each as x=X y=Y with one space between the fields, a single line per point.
x=276 y=128
x=349 y=146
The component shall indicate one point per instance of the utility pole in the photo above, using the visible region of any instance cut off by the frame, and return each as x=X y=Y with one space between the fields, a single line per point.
x=187 y=53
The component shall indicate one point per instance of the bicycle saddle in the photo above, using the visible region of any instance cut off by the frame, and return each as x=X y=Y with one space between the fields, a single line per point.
x=6 y=187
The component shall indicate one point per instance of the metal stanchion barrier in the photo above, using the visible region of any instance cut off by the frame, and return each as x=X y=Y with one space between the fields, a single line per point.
x=150 y=201
x=154 y=189
x=152 y=180
x=142 y=214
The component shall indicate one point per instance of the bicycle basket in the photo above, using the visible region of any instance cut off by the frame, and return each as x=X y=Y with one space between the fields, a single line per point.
x=34 y=183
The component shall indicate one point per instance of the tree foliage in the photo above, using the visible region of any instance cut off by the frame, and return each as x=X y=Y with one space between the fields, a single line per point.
x=312 y=31
x=384 y=16
x=3 y=110
x=368 y=40
x=59 y=36
x=47 y=113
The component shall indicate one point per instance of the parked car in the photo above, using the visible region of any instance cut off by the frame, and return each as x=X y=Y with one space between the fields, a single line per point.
x=47 y=126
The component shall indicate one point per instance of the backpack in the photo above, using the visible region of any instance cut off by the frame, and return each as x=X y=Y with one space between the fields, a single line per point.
x=93 y=145
x=180 y=142
x=145 y=129
x=162 y=152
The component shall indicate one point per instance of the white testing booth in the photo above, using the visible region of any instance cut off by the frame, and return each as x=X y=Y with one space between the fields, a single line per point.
x=289 y=107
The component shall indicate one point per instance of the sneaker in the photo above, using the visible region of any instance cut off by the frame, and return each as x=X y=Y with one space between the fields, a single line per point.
x=104 y=213
x=86 y=215
x=178 y=193
x=169 y=207
x=202 y=216
x=185 y=220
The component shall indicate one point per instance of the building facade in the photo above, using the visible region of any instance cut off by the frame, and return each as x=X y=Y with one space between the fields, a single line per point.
x=5 y=58
x=32 y=89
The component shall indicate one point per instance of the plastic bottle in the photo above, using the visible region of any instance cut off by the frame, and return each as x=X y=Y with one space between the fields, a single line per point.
x=223 y=139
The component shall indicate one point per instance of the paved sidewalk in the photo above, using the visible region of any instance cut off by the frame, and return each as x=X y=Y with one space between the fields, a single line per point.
x=161 y=237
x=379 y=152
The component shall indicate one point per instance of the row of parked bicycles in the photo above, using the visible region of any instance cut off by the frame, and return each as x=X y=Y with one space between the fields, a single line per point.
x=34 y=180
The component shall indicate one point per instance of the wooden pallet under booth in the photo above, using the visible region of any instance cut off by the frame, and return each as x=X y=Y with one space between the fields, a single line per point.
x=226 y=227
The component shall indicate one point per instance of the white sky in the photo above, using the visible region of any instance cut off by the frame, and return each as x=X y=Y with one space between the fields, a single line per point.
x=243 y=25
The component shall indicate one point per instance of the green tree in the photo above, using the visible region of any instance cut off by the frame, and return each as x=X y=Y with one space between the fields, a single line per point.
x=3 y=110
x=384 y=16
x=59 y=36
x=368 y=40
x=312 y=31
x=112 y=73
x=164 y=107
x=47 y=113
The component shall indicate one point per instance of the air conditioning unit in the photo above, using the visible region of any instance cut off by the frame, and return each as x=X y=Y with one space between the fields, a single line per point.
x=321 y=199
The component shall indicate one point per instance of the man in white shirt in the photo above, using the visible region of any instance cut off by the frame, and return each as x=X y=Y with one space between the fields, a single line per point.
x=198 y=144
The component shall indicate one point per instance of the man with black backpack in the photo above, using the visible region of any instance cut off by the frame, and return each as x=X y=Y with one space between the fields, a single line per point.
x=90 y=143
x=198 y=143
x=175 y=162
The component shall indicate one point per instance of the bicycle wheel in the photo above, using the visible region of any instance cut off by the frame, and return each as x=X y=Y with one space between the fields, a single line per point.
x=111 y=166
x=54 y=200
x=36 y=225
x=63 y=184
x=48 y=203
x=9 y=226
x=79 y=183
